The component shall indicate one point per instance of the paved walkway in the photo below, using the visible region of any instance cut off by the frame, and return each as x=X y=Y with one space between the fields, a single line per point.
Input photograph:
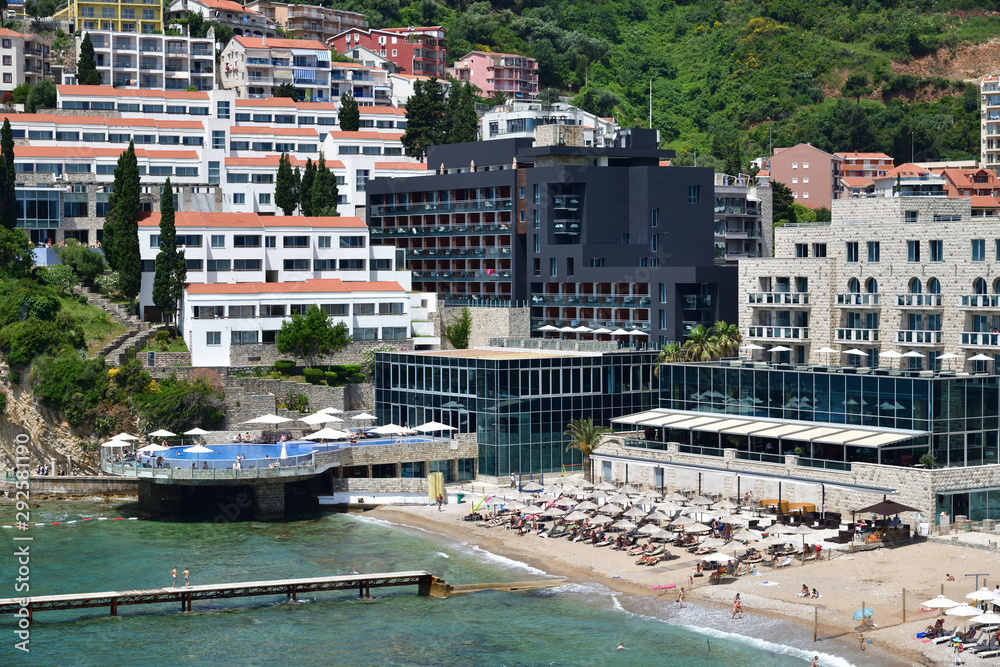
x=981 y=540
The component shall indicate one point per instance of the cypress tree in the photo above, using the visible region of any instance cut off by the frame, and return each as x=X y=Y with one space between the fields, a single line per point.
x=284 y=187
x=110 y=220
x=171 y=272
x=350 y=115
x=324 y=190
x=427 y=119
x=8 y=198
x=297 y=185
x=86 y=66
x=305 y=189
x=462 y=110
x=126 y=241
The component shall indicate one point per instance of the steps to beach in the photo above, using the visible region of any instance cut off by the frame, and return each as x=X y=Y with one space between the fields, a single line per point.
x=135 y=338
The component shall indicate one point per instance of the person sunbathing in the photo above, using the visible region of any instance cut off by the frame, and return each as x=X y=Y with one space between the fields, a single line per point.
x=814 y=594
x=805 y=591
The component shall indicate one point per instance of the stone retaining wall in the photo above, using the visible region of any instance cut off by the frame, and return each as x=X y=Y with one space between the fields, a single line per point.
x=247 y=398
x=266 y=355
x=79 y=485
x=487 y=323
x=383 y=485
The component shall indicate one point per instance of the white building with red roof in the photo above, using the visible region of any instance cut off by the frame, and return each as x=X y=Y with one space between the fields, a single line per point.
x=152 y=61
x=25 y=59
x=256 y=66
x=243 y=20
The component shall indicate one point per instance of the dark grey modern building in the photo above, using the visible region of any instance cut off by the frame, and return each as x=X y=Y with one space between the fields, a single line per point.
x=601 y=238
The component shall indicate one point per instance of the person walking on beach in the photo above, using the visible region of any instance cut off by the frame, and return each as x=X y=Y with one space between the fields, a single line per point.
x=173 y=575
x=187 y=578
x=861 y=638
x=680 y=597
x=737 y=607
x=440 y=501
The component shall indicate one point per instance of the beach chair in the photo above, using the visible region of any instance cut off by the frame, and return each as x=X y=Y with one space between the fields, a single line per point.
x=784 y=563
x=979 y=641
x=990 y=645
x=946 y=637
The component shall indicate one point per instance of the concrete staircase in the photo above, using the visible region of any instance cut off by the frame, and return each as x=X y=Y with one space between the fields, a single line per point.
x=135 y=338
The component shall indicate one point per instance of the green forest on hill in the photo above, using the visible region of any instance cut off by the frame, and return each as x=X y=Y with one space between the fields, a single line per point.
x=730 y=77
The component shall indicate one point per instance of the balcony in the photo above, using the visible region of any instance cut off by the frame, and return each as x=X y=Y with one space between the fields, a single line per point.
x=182 y=50
x=979 y=339
x=918 y=300
x=911 y=337
x=449 y=276
x=259 y=81
x=423 y=253
x=854 y=300
x=201 y=53
x=596 y=301
x=695 y=302
x=151 y=66
x=778 y=333
x=449 y=230
x=124 y=46
x=566 y=227
x=984 y=301
x=860 y=335
x=438 y=207
x=153 y=48
x=778 y=298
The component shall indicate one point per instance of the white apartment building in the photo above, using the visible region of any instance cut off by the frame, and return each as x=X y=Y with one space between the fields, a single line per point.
x=128 y=60
x=243 y=20
x=255 y=66
x=308 y=21
x=402 y=86
x=909 y=275
x=989 y=133
x=23 y=59
x=516 y=120
x=369 y=85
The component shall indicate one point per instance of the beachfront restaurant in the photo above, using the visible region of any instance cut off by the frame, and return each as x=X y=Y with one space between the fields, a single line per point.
x=518 y=401
x=832 y=421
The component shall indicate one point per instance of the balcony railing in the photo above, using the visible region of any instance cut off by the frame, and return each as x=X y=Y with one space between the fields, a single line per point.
x=761 y=457
x=980 y=339
x=440 y=231
x=980 y=301
x=457 y=252
x=918 y=300
x=840 y=466
x=783 y=333
x=460 y=275
x=454 y=206
x=591 y=300
x=866 y=335
x=849 y=300
x=918 y=337
x=778 y=298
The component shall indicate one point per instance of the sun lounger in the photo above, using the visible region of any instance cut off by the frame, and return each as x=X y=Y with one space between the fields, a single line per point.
x=979 y=641
x=992 y=645
x=784 y=563
x=946 y=637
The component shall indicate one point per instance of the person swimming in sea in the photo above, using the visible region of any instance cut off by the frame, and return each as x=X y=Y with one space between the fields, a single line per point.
x=621 y=647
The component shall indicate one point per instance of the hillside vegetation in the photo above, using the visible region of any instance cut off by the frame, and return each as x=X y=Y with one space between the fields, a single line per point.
x=743 y=73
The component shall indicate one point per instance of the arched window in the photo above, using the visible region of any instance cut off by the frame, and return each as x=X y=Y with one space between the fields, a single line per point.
x=933 y=286
x=996 y=286
x=871 y=286
x=854 y=286
x=915 y=287
x=979 y=286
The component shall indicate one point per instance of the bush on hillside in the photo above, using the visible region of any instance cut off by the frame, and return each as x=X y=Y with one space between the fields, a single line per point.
x=57 y=276
x=22 y=341
x=284 y=366
x=313 y=375
x=86 y=263
x=357 y=378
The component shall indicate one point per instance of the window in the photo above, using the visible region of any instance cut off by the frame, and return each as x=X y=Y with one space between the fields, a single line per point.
x=263 y=145
x=333 y=309
x=325 y=265
x=284 y=147
x=219 y=265
x=242 y=118
x=997 y=244
x=92 y=137
x=270 y=241
x=197 y=111
x=6 y=43
x=246 y=265
x=352 y=265
x=186 y=171
x=176 y=109
x=653 y=242
x=873 y=251
x=218 y=240
x=852 y=251
x=222 y=110
x=264 y=198
x=148 y=265
x=819 y=250
x=538 y=219
x=360 y=178
x=553 y=267
x=795 y=181
x=349 y=150
x=365 y=333
x=307 y=120
x=978 y=250
x=937 y=251
x=243 y=337
x=295 y=241
x=654 y=217
x=381 y=265
x=805 y=180
x=154 y=240
x=801 y=249
x=805 y=195
x=239 y=145
x=152 y=108
x=237 y=178
x=625 y=239
x=326 y=120
x=39 y=134
x=913 y=251
x=538 y=243
x=805 y=165
x=119 y=138
x=307 y=148
x=520 y=192
x=67 y=136
x=694 y=194
x=192 y=264
x=596 y=262
x=910 y=216
x=219 y=139
x=296 y=265
x=284 y=118
x=364 y=309
x=538 y=193
x=128 y=108
x=246 y=241
x=352 y=242
x=371 y=150
x=239 y=198
x=144 y=139
x=795 y=165
x=77 y=168
x=161 y=171
x=213 y=338
x=272 y=311
x=323 y=241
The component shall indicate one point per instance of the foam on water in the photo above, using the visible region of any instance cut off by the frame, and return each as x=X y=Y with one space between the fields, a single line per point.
x=770 y=647
x=443 y=555
x=483 y=554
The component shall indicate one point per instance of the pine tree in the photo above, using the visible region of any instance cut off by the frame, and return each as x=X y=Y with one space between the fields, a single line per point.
x=462 y=111
x=171 y=272
x=86 y=66
x=126 y=234
x=8 y=198
x=305 y=189
x=350 y=115
x=284 y=190
x=426 y=119
x=324 y=190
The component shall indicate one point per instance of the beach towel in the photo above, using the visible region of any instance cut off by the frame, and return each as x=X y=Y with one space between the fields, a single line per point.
x=769 y=583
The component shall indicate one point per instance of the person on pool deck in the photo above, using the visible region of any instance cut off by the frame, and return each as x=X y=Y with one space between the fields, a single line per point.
x=949 y=577
x=204 y=466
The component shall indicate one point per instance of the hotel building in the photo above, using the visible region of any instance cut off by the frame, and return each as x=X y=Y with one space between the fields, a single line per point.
x=243 y=20
x=308 y=21
x=153 y=61
x=23 y=59
x=145 y=17
x=421 y=51
x=255 y=66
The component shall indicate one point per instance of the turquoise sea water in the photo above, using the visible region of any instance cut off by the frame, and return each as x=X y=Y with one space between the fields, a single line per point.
x=570 y=625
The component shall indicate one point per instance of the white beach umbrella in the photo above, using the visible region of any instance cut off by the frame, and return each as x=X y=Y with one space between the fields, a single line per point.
x=363 y=416
x=332 y=411
x=702 y=501
x=583 y=329
x=856 y=352
x=890 y=354
x=987 y=618
x=773 y=541
x=913 y=354
x=389 y=429
x=629 y=490
x=610 y=510
x=826 y=350
x=124 y=436
x=948 y=355
x=430 y=427
x=657 y=516
x=940 y=602
x=652 y=494
x=328 y=434
x=197 y=431
x=713 y=543
x=319 y=418
x=982 y=594
x=556 y=511
x=533 y=509
x=587 y=505
x=601 y=520
x=980 y=357
x=718 y=558
x=780 y=348
x=116 y=443
x=624 y=524
x=565 y=502
x=584 y=484
x=753 y=346
x=552 y=489
x=199 y=450
x=596 y=496
x=162 y=433
x=548 y=327
x=661 y=535
x=532 y=487
x=268 y=419
x=605 y=486
x=668 y=507
x=725 y=505
x=648 y=529
x=153 y=448
x=636 y=513
x=676 y=498
x=683 y=521
x=619 y=499
x=514 y=505
x=746 y=535
x=963 y=611
x=697 y=528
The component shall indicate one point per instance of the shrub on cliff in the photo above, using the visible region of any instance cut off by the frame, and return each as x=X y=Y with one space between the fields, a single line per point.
x=179 y=405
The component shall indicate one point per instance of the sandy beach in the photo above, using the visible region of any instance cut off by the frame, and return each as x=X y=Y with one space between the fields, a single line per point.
x=876 y=578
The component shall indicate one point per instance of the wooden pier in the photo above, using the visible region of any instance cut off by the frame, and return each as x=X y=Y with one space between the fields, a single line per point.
x=289 y=588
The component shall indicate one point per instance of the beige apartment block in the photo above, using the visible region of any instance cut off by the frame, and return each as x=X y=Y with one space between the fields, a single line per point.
x=910 y=275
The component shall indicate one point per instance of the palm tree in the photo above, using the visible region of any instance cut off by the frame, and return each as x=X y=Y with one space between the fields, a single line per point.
x=701 y=344
x=729 y=338
x=668 y=354
x=586 y=436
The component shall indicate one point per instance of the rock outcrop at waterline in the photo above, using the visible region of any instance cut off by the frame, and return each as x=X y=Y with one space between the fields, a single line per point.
x=50 y=436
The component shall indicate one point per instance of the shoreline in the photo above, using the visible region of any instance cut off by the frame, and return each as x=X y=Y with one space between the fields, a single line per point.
x=581 y=563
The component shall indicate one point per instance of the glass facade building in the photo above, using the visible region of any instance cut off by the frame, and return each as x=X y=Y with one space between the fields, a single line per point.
x=518 y=402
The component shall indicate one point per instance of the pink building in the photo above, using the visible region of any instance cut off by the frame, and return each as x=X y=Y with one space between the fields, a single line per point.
x=812 y=175
x=865 y=165
x=515 y=75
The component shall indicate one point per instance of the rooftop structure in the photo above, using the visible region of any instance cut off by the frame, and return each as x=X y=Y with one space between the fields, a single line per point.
x=812 y=175
x=113 y=16
x=516 y=120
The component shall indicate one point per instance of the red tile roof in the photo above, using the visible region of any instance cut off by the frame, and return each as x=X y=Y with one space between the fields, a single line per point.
x=376 y=136
x=316 y=285
x=252 y=221
x=980 y=201
x=275 y=43
x=854 y=155
x=275 y=131
x=856 y=181
x=227 y=6
x=908 y=169
x=325 y=106
x=372 y=111
x=413 y=166
x=267 y=102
